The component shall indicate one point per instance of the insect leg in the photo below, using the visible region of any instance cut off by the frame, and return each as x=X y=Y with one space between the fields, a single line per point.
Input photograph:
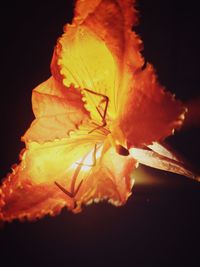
x=72 y=193
x=93 y=157
x=103 y=116
x=74 y=178
x=69 y=194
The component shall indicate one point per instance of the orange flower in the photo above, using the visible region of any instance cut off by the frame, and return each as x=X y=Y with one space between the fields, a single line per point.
x=91 y=116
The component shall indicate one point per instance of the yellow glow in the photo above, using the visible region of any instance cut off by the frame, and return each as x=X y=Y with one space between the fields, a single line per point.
x=89 y=161
x=48 y=161
x=87 y=63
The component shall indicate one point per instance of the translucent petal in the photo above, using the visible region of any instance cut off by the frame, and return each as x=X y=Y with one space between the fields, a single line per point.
x=109 y=180
x=95 y=51
x=58 y=110
x=148 y=113
x=30 y=190
x=158 y=161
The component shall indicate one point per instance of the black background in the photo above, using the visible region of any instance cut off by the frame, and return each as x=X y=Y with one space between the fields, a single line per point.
x=159 y=225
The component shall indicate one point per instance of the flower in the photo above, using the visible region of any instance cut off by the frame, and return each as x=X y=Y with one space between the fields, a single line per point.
x=99 y=104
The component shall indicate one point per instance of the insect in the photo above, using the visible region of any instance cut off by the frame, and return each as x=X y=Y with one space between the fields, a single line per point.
x=100 y=114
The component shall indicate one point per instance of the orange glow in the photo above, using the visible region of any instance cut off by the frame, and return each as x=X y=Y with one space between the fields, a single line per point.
x=99 y=103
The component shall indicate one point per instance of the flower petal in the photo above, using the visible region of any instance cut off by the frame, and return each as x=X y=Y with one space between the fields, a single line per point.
x=148 y=112
x=23 y=199
x=97 y=56
x=110 y=179
x=138 y=105
x=30 y=191
x=58 y=111
x=94 y=51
